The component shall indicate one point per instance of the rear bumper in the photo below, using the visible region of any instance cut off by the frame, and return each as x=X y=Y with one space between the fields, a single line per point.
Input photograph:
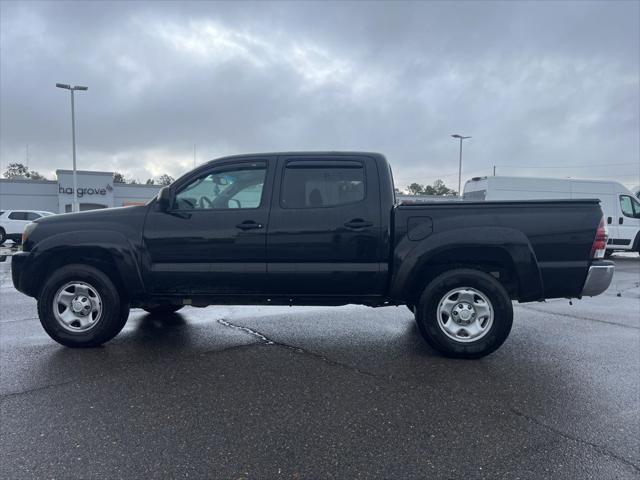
x=598 y=279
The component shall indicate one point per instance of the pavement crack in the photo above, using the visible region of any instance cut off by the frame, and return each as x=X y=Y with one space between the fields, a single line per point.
x=246 y=330
x=599 y=448
x=20 y=320
x=268 y=341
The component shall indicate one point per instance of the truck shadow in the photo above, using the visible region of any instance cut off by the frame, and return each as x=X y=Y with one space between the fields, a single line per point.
x=167 y=330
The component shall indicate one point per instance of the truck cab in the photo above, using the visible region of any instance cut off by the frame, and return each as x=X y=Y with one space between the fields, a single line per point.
x=292 y=225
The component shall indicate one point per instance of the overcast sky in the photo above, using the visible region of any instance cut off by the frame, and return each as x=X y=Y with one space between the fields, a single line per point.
x=537 y=84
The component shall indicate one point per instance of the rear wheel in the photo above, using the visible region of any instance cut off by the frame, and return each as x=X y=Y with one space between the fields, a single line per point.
x=465 y=313
x=79 y=306
x=3 y=236
x=162 y=309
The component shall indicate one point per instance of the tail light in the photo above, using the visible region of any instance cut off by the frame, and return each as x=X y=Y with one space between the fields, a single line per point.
x=600 y=242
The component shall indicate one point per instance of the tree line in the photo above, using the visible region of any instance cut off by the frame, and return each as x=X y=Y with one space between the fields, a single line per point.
x=21 y=171
x=163 y=180
x=438 y=188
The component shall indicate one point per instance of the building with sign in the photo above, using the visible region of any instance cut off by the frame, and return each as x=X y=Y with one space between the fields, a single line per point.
x=95 y=190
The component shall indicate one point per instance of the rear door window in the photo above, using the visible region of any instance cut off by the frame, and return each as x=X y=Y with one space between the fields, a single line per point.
x=32 y=215
x=315 y=186
x=18 y=216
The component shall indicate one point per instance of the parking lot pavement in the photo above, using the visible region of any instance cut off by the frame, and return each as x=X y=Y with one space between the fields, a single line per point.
x=349 y=392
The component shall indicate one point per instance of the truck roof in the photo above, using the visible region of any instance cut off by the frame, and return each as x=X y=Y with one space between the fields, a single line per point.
x=321 y=153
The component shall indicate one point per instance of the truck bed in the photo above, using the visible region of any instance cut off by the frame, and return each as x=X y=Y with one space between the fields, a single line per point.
x=557 y=233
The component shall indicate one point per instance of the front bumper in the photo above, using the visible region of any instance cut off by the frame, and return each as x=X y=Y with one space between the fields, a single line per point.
x=18 y=275
x=598 y=279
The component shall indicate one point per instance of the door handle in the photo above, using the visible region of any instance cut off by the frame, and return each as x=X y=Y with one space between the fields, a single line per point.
x=357 y=224
x=249 y=225
x=620 y=220
x=609 y=220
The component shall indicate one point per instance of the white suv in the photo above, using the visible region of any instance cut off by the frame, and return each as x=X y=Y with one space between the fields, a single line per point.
x=12 y=223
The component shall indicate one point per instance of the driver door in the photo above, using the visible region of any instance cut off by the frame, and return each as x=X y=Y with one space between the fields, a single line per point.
x=212 y=239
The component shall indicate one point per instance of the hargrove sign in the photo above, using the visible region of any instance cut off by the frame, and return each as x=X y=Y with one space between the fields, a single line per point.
x=86 y=191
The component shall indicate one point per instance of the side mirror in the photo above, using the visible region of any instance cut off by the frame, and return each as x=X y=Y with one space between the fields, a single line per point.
x=164 y=199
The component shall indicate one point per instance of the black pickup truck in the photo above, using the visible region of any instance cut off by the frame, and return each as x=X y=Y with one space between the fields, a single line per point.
x=314 y=228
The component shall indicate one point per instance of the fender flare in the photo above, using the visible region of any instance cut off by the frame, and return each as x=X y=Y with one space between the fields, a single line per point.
x=114 y=244
x=411 y=257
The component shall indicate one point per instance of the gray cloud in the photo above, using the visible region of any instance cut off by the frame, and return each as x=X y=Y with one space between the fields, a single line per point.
x=540 y=84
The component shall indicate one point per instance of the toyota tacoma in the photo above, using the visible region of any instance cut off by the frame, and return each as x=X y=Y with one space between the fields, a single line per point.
x=311 y=228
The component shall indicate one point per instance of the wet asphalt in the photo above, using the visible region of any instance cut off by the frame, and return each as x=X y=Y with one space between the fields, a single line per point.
x=348 y=392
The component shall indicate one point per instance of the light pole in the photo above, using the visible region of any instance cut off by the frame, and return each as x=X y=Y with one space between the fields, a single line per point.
x=461 y=138
x=73 y=139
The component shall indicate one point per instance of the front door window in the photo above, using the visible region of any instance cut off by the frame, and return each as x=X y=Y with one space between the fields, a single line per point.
x=629 y=206
x=221 y=190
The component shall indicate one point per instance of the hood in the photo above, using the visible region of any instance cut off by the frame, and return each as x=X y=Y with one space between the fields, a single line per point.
x=103 y=214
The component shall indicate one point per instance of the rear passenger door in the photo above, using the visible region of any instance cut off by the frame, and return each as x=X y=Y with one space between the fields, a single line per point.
x=324 y=234
x=18 y=220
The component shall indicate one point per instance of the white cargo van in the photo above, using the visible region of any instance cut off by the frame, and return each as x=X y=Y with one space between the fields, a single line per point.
x=620 y=206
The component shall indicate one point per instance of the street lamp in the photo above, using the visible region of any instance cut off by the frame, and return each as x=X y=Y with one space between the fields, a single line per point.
x=461 y=138
x=73 y=139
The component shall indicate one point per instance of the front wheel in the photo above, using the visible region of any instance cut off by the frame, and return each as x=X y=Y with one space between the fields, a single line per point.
x=465 y=313
x=79 y=306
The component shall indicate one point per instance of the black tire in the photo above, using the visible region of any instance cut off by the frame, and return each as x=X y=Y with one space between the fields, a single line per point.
x=115 y=308
x=163 y=309
x=3 y=236
x=434 y=293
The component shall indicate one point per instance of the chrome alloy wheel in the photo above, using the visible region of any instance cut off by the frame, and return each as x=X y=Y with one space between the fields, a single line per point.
x=77 y=307
x=465 y=314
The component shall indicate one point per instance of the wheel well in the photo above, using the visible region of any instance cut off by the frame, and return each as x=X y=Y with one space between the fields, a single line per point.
x=494 y=261
x=95 y=257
